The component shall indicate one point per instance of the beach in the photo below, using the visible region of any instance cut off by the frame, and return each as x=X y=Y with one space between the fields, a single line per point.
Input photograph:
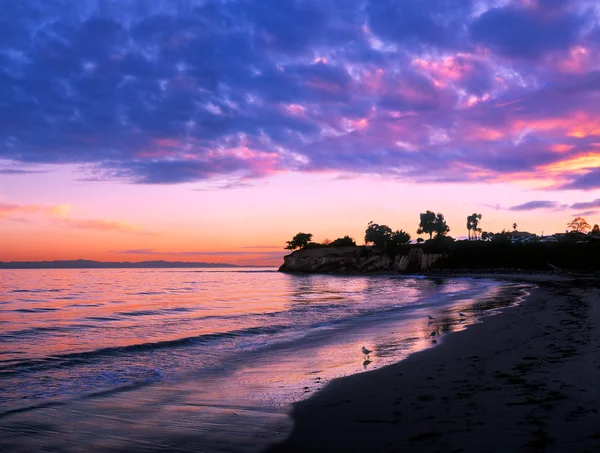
x=526 y=379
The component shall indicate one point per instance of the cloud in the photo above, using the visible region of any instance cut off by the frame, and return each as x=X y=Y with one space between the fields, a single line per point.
x=191 y=253
x=434 y=23
x=18 y=171
x=532 y=205
x=224 y=93
x=101 y=225
x=586 y=213
x=527 y=32
x=587 y=204
x=10 y=210
x=587 y=181
x=60 y=214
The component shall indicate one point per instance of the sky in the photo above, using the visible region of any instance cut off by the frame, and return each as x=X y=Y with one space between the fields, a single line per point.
x=216 y=130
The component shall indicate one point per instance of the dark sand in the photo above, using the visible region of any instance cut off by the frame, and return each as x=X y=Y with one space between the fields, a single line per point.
x=525 y=380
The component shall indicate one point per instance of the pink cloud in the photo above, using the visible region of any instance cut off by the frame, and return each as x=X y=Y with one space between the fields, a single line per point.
x=60 y=214
x=101 y=225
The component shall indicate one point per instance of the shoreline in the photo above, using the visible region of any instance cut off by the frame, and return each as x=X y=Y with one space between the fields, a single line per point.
x=521 y=381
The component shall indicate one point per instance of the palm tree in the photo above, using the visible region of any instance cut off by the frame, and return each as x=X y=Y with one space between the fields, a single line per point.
x=469 y=227
x=473 y=225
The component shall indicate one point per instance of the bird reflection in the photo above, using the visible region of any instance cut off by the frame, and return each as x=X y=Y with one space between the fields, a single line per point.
x=366 y=363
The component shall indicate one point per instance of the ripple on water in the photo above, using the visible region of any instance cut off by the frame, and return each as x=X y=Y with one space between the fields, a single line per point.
x=139 y=313
x=37 y=290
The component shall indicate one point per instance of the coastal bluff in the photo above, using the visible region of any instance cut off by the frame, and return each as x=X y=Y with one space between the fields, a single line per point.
x=361 y=259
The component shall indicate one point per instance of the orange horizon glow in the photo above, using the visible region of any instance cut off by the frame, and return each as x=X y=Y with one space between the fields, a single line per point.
x=220 y=226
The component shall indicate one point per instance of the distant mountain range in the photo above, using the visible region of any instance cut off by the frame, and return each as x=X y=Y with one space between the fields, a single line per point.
x=88 y=264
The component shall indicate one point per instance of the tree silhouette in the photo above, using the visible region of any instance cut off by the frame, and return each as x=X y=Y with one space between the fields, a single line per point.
x=579 y=225
x=441 y=228
x=427 y=223
x=515 y=226
x=377 y=234
x=596 y=229
x=419 y=240
x=473 y=225
x=300 y=241
x=433 y=223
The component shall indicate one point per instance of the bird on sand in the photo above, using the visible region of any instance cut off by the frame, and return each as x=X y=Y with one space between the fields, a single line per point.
x=365 y=351
x=461 y=314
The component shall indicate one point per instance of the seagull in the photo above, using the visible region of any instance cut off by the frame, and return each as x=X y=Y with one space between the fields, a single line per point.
x=365 y=351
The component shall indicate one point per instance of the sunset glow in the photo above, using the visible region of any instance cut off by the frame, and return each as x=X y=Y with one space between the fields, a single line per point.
x=214 y=131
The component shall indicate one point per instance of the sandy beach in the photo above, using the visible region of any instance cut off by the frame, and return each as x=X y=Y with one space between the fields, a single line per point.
x=527 y=379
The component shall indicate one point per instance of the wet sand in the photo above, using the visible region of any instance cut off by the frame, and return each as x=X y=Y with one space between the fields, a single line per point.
x=525 y=380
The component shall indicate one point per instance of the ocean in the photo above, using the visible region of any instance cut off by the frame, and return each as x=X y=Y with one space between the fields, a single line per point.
x=202 y=359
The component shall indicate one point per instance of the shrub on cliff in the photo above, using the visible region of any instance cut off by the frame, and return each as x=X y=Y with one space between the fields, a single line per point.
x=439 y=244
x=399 y=238
x=314 y=245
x=398 y=242
x=299 y=241
x=346 y=241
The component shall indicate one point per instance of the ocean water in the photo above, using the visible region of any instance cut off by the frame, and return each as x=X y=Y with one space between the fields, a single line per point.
x=202 y=359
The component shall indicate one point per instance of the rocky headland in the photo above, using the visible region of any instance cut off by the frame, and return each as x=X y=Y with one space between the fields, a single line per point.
x=358 y=260
x=459 y=257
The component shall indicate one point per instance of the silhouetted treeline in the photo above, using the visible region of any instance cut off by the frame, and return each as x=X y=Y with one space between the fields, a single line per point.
x=480 y=255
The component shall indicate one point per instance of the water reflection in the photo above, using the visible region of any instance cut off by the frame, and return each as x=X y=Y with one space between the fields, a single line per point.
x=163 y=360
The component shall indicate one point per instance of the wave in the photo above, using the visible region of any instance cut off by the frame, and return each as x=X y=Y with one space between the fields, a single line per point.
x=102 y=318
x=38 y=290
x=78 y=358
x=35 y=310
x=140 y=313
x=33 y=331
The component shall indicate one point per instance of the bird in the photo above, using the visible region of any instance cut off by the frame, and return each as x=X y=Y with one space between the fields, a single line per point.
x=365 y=351
x=434 y=333
x=461 y=314
x=430 y=317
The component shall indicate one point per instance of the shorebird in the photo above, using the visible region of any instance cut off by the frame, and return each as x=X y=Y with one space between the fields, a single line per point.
x=434 y=333
x=431 y=318
x=365 y=351
x=461 y=314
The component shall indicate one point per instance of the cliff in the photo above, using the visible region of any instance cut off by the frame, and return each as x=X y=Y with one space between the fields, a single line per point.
x=357 y=260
